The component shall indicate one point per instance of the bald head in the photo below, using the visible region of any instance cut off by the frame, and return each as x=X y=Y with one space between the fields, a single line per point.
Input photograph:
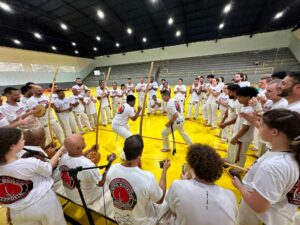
x=35 y=137
x=74 y=144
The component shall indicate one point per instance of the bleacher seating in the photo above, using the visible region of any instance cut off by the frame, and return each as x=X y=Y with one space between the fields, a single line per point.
x=254 y=63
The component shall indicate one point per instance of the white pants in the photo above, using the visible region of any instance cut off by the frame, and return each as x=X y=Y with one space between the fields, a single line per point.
x=69 y=124
x=83 y=120
x=105 y=115
x=212 y=109
x=193 y=104
x=204 y=111
x=141 y=100
x=47 y=211
x=56 y=129
x=164 y=106
x=167 y=131
x=123 y=131
x=93 y=119
x=236 y=154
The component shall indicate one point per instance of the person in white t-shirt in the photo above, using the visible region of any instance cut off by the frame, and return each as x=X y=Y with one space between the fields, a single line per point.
x=212 y=107
x=90 y=107
x=116 y=96
x=38 y=99
x=243 y=130
x=156 y=105
x=290 y=90
x=206 y=93
x=26 y=183
x=80 y=87
x=141 y=90
x=63 y=110
x=222 y=101
x=27 y=92
x=220 y=81
x=54 y=94
x=175 y=122
x=239 y=79
x=180 y=92
x=270 y=189
x=195 y=92
x=134 y=190
x=130 y=89
x=164 y=86
x=202 y=96
x=103 y=95
x=152 y=88
x=125 y=112
x=124 y=93
x=199 y=200
x=78 y=104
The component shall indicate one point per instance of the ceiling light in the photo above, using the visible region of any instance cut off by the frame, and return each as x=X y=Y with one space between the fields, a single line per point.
x=5 y=6
x=100 y=13
x=95 y=49
x=153 y=1
x=76 y=52
x=117 y=45
x=129 y=30
x=221 y=26
x=98 y=38
x=53 y=48
x=73 y=43
x=64 y=26
x=16 y=41
x=278 y=15
x=144 y=39
x=178 y=33
x=227 y=8
x=170 y=21
x=37 y=35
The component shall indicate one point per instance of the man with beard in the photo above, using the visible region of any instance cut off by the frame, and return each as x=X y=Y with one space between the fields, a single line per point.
x=241 y=79
x=290 y=90
x=80 y=86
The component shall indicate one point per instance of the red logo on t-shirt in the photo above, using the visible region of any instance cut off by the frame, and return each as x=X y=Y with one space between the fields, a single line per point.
x=13 y=189
x=121 y=109
x=293 y=195
x=68 y=181
x=177 y=106
x=123 y=195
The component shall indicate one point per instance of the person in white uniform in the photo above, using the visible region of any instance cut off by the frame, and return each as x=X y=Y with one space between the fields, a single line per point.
x=180 y=92
x=270 y=189
x=81 y=88
x=164 y=86
x=212 y=107
x=27 y=92
x=202 y=97
x=116 y=96
x=26 y=184
x=64 y=112
x=156 y=104
x=124 y=93
x=78 y=104
x=195 y=92
x=239 y=79
x=176 y=122
x=199 y=200
x=90 y=107
x=205 y=90
x=105 y=110
x=137 y=197
x=125 y=112
x=222 y=101
x=152 y=88
x=130 y=89
x=141 y=90
x=39 y=99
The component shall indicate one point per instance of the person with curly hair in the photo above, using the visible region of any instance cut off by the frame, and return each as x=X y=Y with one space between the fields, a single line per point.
x=199 y=200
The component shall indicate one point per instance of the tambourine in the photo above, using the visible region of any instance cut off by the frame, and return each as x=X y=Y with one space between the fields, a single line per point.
x=94 y=157
x=40 y=111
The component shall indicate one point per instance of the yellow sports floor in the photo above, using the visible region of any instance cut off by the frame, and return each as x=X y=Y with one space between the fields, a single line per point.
x=152 y=127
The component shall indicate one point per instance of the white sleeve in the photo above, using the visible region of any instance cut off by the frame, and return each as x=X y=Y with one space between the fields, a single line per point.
x=172 y=109
x=170 y=197
x=41 y=168
x=98 y=92
x=245 y=122
x=8 y=114
x=31 y=104
x=155 y=192
x=130 y=112
x=72 y=100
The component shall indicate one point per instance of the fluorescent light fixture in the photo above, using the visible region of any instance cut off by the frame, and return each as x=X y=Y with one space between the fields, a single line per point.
x=278 y=15
x=5 y=6
x=129 y=30
x=16 y=41
x=37 y=35
x=221 y=26
x=76 y=52
x=100 y=14
x=117 y=45
x=144 y=39
x=170 y=21
x=227 y=8
x=73 y=43
x=178 y=33
x=64 y=26
x=98 y=38
x=54 y=48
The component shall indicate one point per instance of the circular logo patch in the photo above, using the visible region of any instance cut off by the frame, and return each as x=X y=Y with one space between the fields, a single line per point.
x=121 y=109
x=68 y=181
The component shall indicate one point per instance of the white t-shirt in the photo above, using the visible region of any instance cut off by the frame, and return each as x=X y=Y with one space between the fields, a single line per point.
x=81 y=89
x=174 y=107
x=179 y=96
x=100 y=92
x=54 y=97
x=80 y=107
x=142 y=88
x=12 y=112
x=152 y=92
x=62 y=104
x=133 y=191
x=282 y=103
x=43 y=100
x=152 y=102
x=114 y=94
x=233 y=108
x=194 y=95
x=211 y=98
x=273 y=175
x=128 y=89
x=248 y=136
x=24 y=100
x=3 y=120
x=124 y=113
x=90 y=106
x=295 y=106
x=88 y=179
x=244 y=84
x=224 y=98
x=162 y=88
x=221 y=85
x=198 y=203
x=24 y=182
